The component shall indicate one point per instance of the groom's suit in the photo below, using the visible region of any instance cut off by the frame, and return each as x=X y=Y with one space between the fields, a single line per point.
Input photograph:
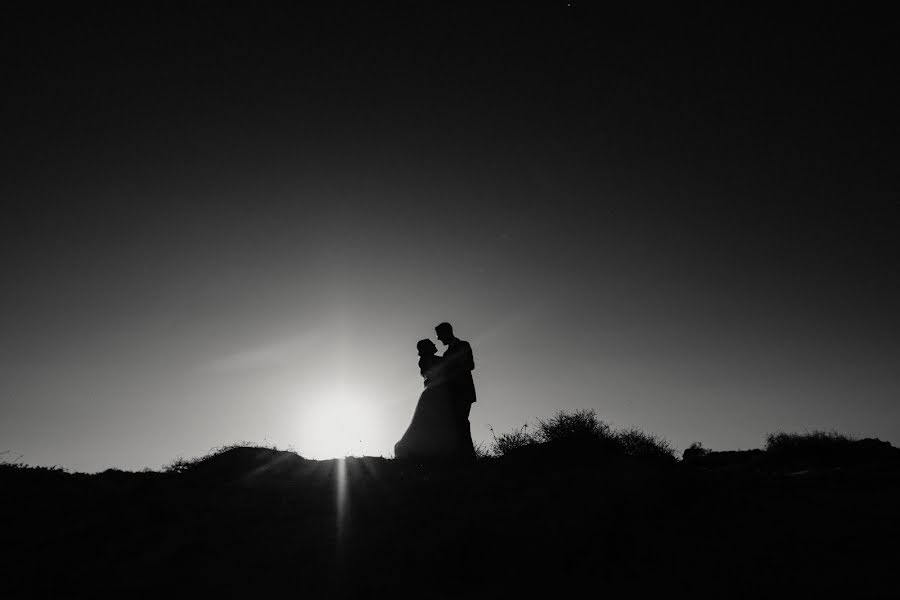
x=457 y=369
x=458 y=366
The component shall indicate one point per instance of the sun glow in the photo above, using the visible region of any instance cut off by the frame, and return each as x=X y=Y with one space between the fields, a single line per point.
x=338 y=422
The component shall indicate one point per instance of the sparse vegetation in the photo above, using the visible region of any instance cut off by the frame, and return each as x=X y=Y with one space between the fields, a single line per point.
x=583 y=427
x=576 y=426
x=183 y=465
x=814 y=448
x=694 y=451
x=13 y=462
x=809 y=442
x=254 y=514
x=482 y=452
x=639 y=444
x=507 y=442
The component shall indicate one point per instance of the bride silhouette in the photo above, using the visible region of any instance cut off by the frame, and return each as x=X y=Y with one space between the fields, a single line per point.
x=432 y=434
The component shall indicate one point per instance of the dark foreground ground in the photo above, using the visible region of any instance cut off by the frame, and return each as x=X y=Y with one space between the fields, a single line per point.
x=261 y=523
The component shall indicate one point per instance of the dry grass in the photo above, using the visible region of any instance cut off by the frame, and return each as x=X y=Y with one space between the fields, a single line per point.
x=811 y=441
x=582 y=428
x=183 y=465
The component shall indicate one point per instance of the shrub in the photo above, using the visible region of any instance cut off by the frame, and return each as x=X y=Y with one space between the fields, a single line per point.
x=507 y=442
x=638 y=444
x=182 y=465
x=482 y=452
x=580 y=425
x=582 y=431
x=695 y=450
x=811 y=442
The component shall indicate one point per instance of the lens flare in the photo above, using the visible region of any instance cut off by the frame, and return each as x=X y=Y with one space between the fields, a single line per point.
x=336 y=423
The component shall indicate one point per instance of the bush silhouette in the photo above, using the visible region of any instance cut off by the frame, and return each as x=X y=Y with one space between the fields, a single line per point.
x=482 y=452
x=581 y=425
x=811 y=442
x=508 y=442
x=826 y=449
x=810 y=449
x=582 y=432
x=638 y=444
x=695 y=451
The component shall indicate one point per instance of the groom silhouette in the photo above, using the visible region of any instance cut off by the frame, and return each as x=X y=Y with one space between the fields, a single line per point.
x=457 y=370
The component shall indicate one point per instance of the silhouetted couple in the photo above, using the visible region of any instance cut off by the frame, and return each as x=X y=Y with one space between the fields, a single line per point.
x=440 y=425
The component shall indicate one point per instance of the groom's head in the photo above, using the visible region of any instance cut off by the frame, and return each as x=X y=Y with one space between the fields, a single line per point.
x=445 y=333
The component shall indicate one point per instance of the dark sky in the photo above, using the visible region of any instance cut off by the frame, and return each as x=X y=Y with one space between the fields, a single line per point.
x=226 y=224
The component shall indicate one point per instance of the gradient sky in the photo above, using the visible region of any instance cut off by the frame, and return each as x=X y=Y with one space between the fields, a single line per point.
x=223 y=225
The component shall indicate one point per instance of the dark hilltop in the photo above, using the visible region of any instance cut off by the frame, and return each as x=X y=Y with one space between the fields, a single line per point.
x=566 y=507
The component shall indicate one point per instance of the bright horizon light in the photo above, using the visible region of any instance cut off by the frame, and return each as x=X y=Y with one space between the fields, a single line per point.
x=338 y=424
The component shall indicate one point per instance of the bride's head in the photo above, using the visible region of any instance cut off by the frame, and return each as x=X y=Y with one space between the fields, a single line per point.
x=426 y=348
